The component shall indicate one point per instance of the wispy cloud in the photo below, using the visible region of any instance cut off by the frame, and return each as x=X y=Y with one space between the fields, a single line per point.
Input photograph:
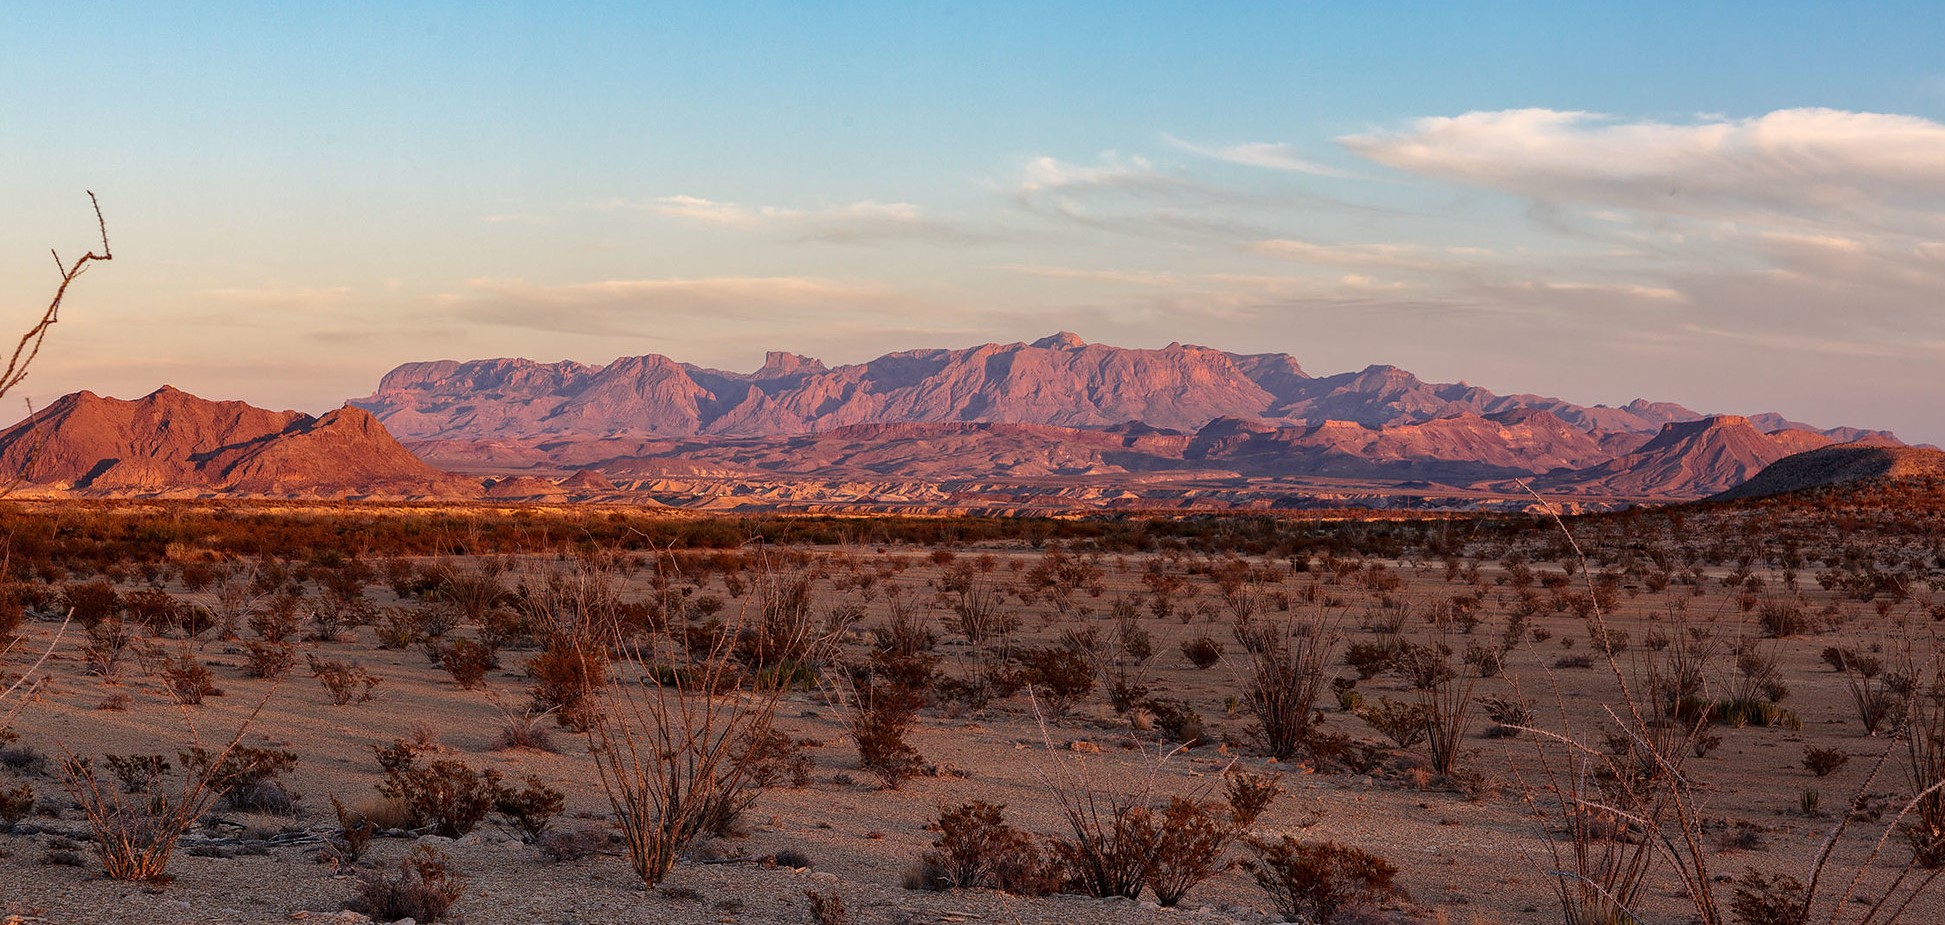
x=1123 y=277
x=1395 y=256
x=633 y=306
x=1268 y=155
x=858 y=222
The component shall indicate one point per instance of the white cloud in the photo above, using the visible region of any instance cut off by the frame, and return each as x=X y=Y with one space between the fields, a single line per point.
x=1268 y=155
x=1791 y=165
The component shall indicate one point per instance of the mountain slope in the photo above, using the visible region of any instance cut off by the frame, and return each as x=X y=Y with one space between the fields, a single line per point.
x=1688 y=460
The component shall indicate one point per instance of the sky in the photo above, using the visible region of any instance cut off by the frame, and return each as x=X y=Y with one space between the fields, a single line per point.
x=1737 y=206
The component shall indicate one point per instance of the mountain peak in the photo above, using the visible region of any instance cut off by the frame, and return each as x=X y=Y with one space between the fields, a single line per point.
x=780 y=363
x=1065 y=340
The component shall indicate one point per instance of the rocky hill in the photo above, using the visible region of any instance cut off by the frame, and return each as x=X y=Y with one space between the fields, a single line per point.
x=1847 y=464
x=171 y=443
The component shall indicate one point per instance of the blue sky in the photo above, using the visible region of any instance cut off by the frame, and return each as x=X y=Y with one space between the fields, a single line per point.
x=1734 y=207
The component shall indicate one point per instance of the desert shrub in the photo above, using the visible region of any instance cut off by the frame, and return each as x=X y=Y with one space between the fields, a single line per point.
x=1882 y=698
x=467 y=661
x=1188 y=840
x=1824 y=761
x=446 y=795
x=666 y=751
x=524 y=730
x=152 y=609
x=105 y=643
x=1176 y=720
x=1202 y=651
x=1286 y=671
x=1370 y=659
x=827 y=908
x=12 y=613
x=977 y=848
x=1401 y=722
x=134 y=835
x=344 y=682
x=1108 y=851
x=1782 y=619
x=268 y=660
x=421 y=887
x=23 y=760
x=879 y=724
x=1768 y=899
x=397 y=628
x=1316 y=882
x=529 y=808
x=91 y=602
x=1581 y=660
x=566 y=676
x=187 y=680
x=887 y=693
x=16 y=803
x=774 y=759
x=1059 y=675
x=1509 y=715
x=355 y=830
x=137 y=773
x=1249 y=794
x=249 y=777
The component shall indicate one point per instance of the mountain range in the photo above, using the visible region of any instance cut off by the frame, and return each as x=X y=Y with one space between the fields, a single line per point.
x=1053 y=423
x=1062 y=408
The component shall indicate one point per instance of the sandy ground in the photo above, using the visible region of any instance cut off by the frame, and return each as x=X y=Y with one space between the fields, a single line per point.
x=1468 y=854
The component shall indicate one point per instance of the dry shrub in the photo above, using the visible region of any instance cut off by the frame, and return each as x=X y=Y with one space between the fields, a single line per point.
x=526 y=729
x=107 y=642
x=16 y=804
x=1316 y=882
x=1287 y=668
x=977 y=848
x=248 y=777
x=91 y=602
x=1824 y=761
x=1202 y=651
x=669 y=751
x=269 y=660
x=467 y=661
x=529 y=808
x=447 y=795
x=135 y=834
x=1768 y=899
x=187 y=680
x=566 y=677
x=355 y=830
x=1060 y=677
x=827 y=908
x=1401 y=722
x=344 y=682
x=136 y=773
x=421 y=887
x=887 y=693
